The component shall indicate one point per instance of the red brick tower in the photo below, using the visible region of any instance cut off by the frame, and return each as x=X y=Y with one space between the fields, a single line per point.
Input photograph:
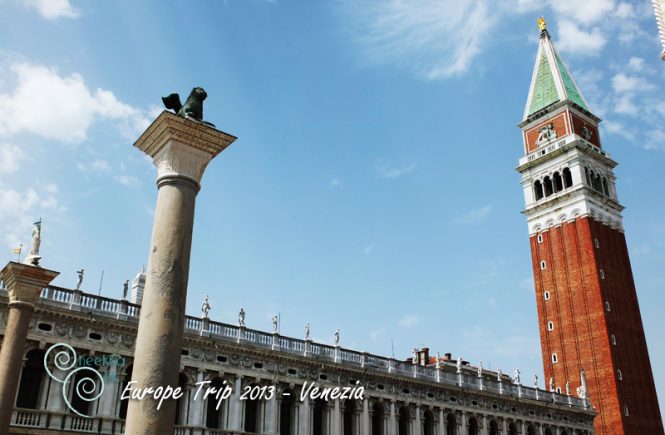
x=588 y=312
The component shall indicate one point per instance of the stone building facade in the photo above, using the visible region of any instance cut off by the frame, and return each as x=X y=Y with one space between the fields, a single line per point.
x=424 y=397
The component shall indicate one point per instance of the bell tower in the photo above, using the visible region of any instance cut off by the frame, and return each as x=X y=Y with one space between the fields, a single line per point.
x=589 y=317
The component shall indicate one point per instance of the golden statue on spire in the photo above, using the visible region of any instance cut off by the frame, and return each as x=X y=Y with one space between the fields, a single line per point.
x=542 y=24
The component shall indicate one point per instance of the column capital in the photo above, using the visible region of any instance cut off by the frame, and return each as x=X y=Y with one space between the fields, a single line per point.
x=182 y=147
x=25 y=282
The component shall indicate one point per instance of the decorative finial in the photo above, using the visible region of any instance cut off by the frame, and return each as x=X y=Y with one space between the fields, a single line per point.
x=542 y=24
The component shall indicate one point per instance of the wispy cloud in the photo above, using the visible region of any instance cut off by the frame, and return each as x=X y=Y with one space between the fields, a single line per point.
x=127 y=180
x=435 y=38
x=409 y=321
x=53 y=9
x=474 y=216
x=385 y=170
x=11 y=157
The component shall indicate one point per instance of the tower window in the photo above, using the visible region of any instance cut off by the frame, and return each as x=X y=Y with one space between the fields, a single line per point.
x=613 y=339
x=607 y=306
x=567 y=178
x=555 y=359
x=550 y=326
x=543 y=265
x=602 y=274
x=595 y=243
x=625 y=410
x=619 y=375
x=547 y=182
x=540 y=238
x=558 y=390
x=557 y=182
x=547 y=296
x=538 y=189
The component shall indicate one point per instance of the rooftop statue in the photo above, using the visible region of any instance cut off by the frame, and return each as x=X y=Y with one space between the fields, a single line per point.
x=193 y=107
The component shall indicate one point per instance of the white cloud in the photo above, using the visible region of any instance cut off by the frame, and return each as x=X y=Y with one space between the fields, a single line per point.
x=52 y=106
x=575 y=40
x=655 y=139
x=586 y=12
x=409 y=321
x=475 y=215
x=96 y=166
x=618 y=129
x=127 y=180
x=434 y=38
x=624 y=83
x=53 y=9
x=10 y=158
x=625 y=105
x=386 y=171
x=19 y=209
x=636 y=64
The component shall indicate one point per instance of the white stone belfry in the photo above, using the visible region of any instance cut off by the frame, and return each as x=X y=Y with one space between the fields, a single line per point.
x=138 y=285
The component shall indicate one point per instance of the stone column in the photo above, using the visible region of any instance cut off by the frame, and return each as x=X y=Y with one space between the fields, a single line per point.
x=304 y=417
x=337 y=419
x=24 y=283
x=365 y=430
x=196 y=406
x=235 y=405
x=442 y=422
x=180 y=148
x=392 y=426
x=418 y=423
x=109 y=399
x=272 y=410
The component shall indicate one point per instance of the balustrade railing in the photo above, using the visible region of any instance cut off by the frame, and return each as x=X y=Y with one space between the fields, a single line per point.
x=59 y=296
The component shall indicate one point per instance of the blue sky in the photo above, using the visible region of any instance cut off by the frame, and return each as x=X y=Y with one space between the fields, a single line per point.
x=372 y=187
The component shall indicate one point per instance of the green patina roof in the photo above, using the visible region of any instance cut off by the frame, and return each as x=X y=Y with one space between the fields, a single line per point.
x=571 y=90
x=544 y=92
x=551 y=70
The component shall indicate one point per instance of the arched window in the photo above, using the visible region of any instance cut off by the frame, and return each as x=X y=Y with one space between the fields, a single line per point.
x=512 y=429
x=451 y=425
x=428 y=423
x=319 y=420
x=473 y=426
x=538 y=189
x=252 y=415
x=124 y=402
x=81 y=388
x=494 y=428
x=350 y=407
x=403 y=423
x=587 y=176
x=180 y=412
x=548 y=431
x=606 y=189
x=377 y=419
x=214 y=415
x=530 y=430
x=547 y=182
x=567 y=178
x=287 y=410
x=31 y=380
x=558 y=182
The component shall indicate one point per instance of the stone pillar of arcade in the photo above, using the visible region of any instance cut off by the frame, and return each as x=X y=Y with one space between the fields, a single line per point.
x=181 y=148
x=24 y=283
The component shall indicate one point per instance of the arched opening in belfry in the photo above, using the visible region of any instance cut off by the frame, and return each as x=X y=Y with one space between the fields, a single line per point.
x=494 y=428
x=451 y=425
x=122 y=413
x=350 y=407
x=287 y=410
x=473 y=426
x=251 y=421
x=403 y=422
x=428 y=423
x=606 y=189
x=318 y=418
x=377 y=419
x=512 y=429
x=547 y=183
x=215 y=414
x=558 y=182
x=538 y=190
x=31 y=380
x=567 y=178
x=180 y=411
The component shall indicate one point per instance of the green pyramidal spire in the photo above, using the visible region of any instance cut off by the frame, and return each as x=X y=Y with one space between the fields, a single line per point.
x=551 y=80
